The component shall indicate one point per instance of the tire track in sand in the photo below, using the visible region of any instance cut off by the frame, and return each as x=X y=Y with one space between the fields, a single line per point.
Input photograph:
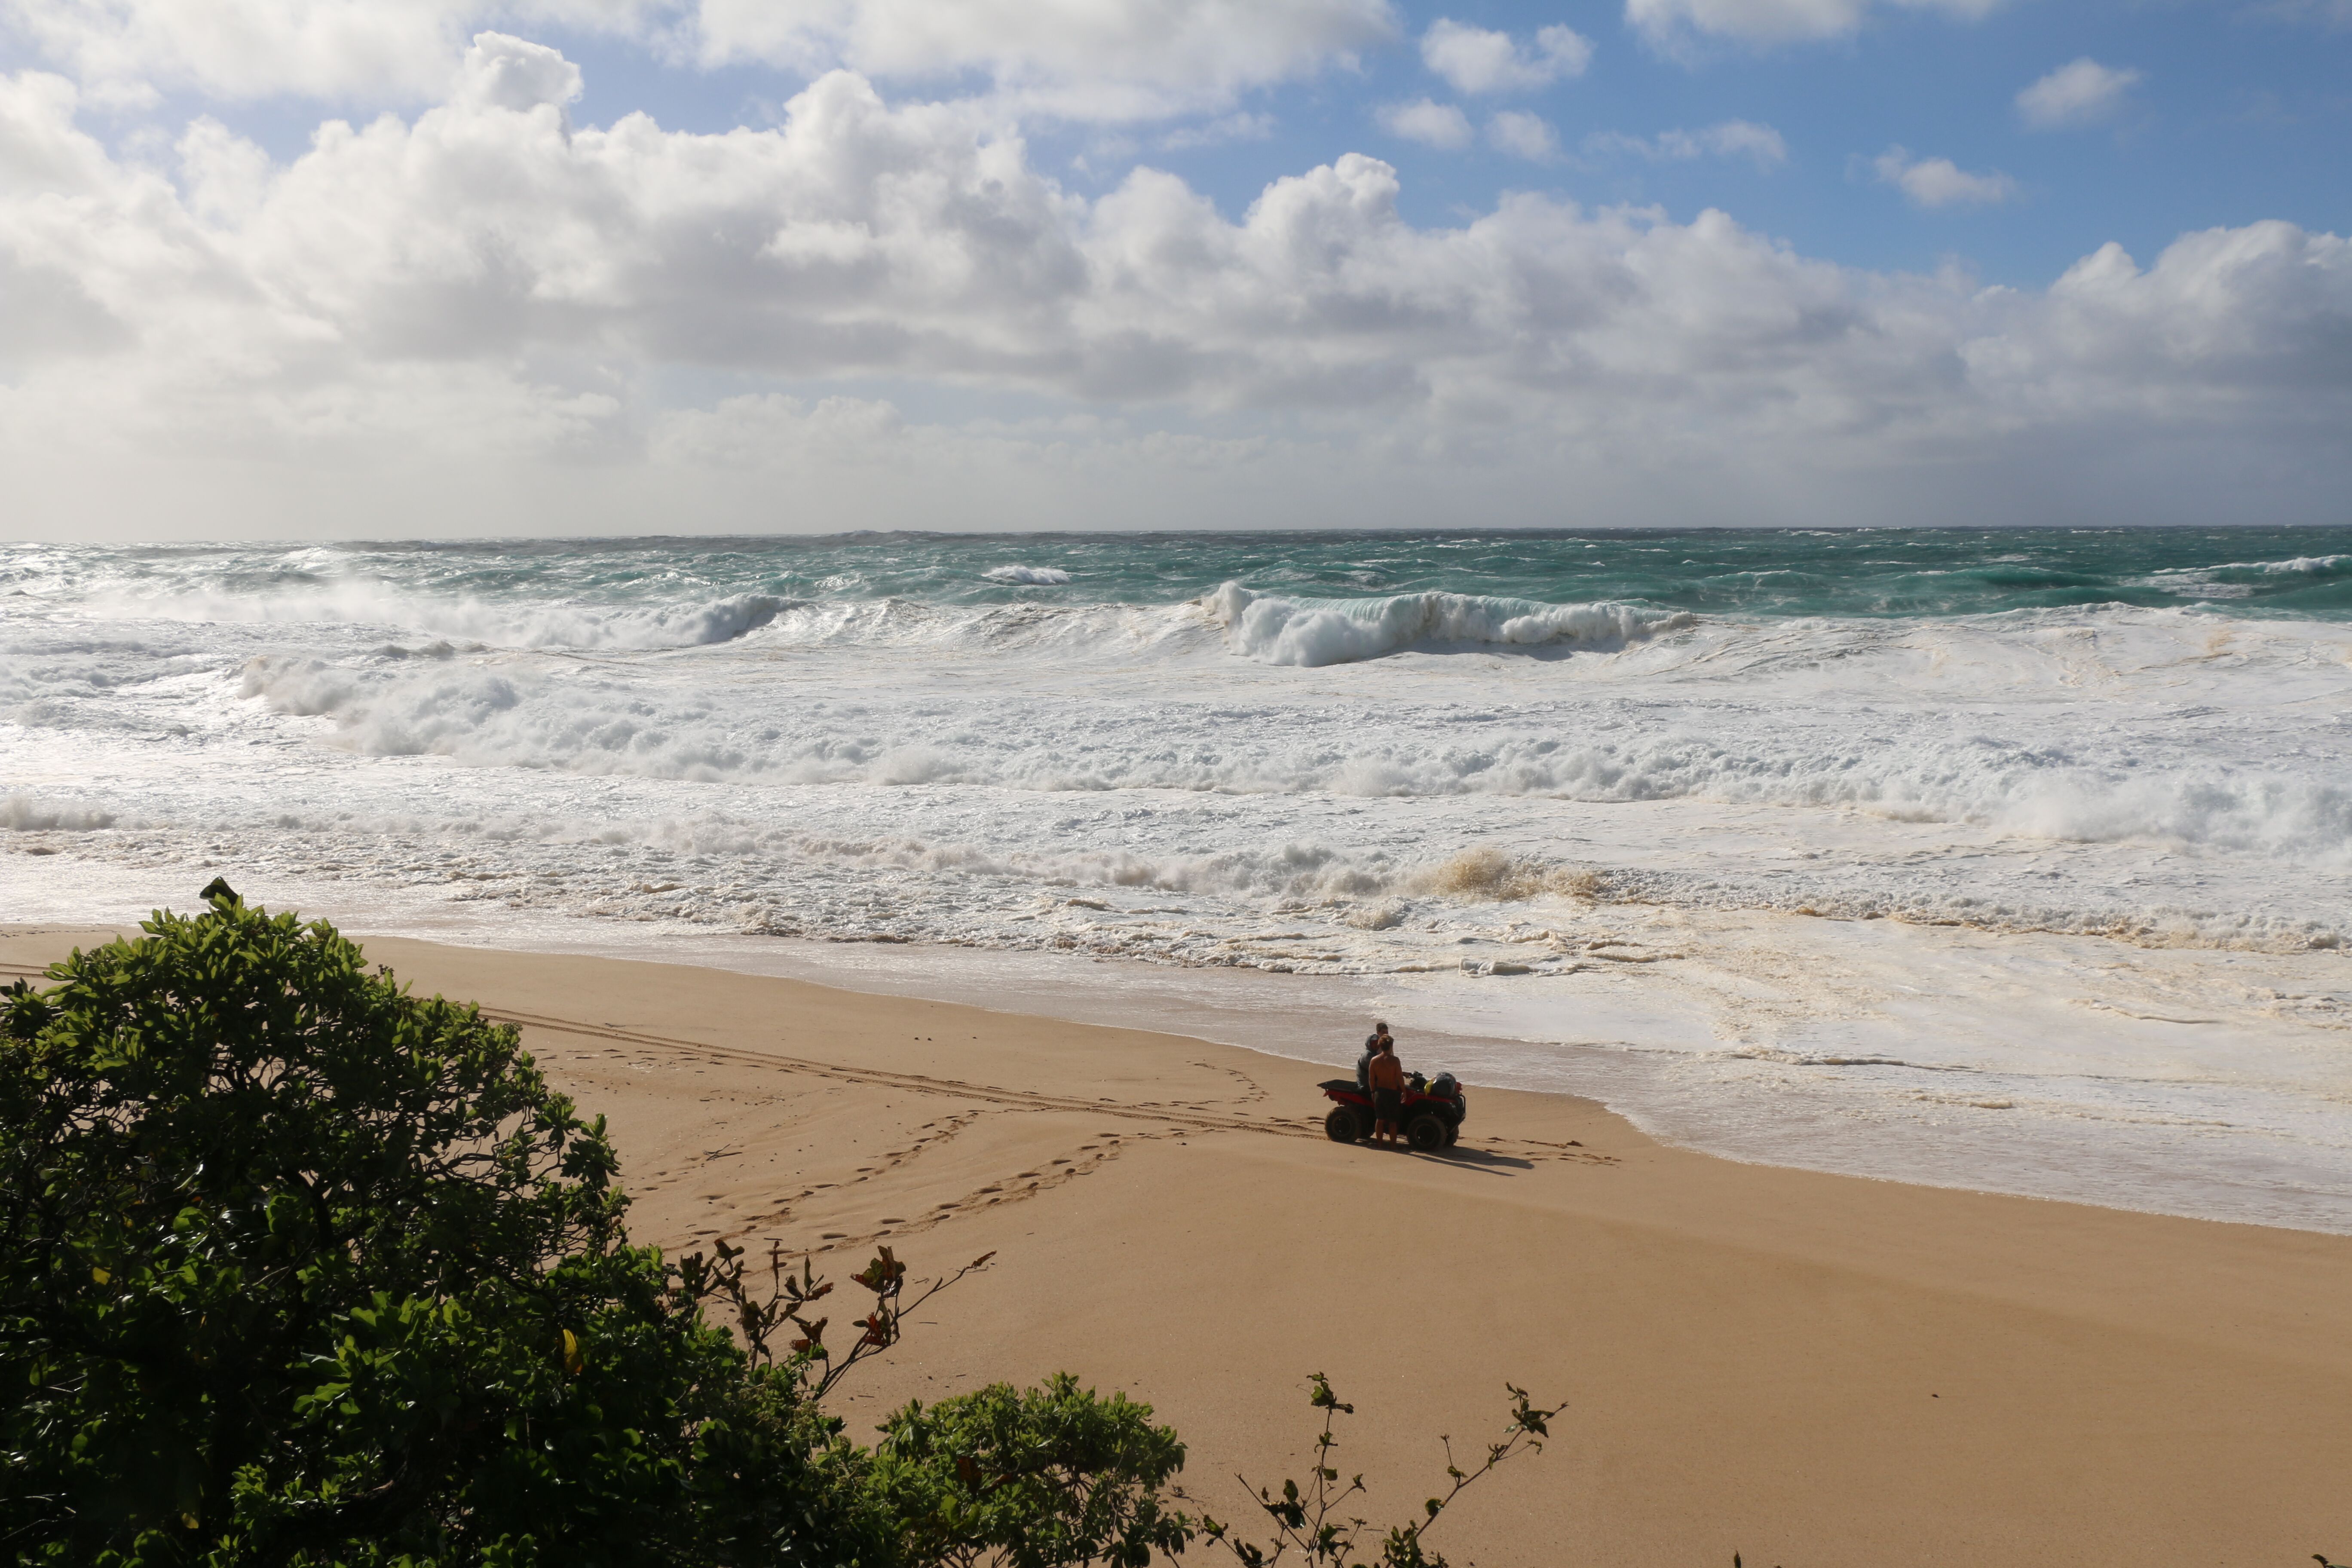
x=1174 y=1116
x=1185 y=1115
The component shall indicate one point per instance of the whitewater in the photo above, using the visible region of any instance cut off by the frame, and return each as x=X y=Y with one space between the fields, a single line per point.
x=2012 y=859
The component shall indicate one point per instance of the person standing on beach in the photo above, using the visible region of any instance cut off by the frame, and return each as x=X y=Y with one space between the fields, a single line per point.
x=1371 y=1048
x=1387 y=1075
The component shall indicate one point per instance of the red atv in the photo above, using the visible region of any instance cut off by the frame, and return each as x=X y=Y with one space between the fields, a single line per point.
x=1431 y=1110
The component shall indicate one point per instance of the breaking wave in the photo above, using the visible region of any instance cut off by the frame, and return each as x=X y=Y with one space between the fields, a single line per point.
x=2301 y=565
x=1275 y=629
x=31 y=813
x=1269 y=629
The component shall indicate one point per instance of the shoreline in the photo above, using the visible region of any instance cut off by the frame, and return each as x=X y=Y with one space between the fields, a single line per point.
x=1805 y=1367
x=1260 y=1016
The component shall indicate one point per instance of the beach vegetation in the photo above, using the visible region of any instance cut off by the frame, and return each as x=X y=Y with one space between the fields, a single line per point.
x=1310 y=1525
x=1057 y=1475
x=302 y=1269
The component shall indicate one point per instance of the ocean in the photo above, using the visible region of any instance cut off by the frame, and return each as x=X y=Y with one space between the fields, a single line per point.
x=2012 y=859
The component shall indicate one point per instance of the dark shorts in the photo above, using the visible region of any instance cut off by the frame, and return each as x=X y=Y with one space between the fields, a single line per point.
x=1386 y=1104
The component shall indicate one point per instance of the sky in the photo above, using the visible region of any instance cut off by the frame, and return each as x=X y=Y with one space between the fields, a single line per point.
x=329 y=268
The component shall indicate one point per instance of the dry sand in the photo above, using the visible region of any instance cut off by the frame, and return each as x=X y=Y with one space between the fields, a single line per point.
x=1814 y=1371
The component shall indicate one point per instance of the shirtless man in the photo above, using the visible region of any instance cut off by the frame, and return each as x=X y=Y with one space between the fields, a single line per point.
x=1387 y=1075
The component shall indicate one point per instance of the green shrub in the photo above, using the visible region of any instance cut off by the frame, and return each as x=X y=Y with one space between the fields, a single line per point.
x=306 y=1268
x=1054 y=1476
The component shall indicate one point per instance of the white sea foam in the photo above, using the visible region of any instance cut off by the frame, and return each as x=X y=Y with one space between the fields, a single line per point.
x=1045 y=576
x=2066 y=782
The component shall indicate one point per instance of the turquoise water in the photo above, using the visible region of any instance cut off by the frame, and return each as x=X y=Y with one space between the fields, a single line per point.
x=1888 y=572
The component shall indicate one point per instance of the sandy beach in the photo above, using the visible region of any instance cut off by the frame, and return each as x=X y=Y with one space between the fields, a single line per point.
x=1806 y=1369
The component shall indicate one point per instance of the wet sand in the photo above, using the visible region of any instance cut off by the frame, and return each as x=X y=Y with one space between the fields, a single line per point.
x=1812 y=1370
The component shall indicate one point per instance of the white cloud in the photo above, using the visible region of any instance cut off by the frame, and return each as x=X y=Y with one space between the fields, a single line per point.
x=1473 y=59
x=1111 y=59
x=1939 y=182
x=480 y=310
x=1431 y=124
x=1731 y=138
x=1523 y=135
x=1671 y=23
x=502 y=72
x=2077 y=93
x=373 y=51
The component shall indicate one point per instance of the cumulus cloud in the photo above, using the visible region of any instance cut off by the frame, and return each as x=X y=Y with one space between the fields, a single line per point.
x=1430 y=123
x=502 y=72
x=1090 y=59
x=2080 y=92
x=1523 y=135
x=481 y=309
x=1939 y=182
x=1671 y=23
x=1731 y=138
x=1473 y=59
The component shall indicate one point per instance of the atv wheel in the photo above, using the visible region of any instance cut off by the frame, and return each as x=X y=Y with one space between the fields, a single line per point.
x=1425 y=1132
x=1341 y=1126
x=1453 y=1132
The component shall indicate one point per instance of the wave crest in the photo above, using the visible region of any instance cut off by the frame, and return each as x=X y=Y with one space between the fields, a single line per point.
x=31 y=813
x=1276 y=629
